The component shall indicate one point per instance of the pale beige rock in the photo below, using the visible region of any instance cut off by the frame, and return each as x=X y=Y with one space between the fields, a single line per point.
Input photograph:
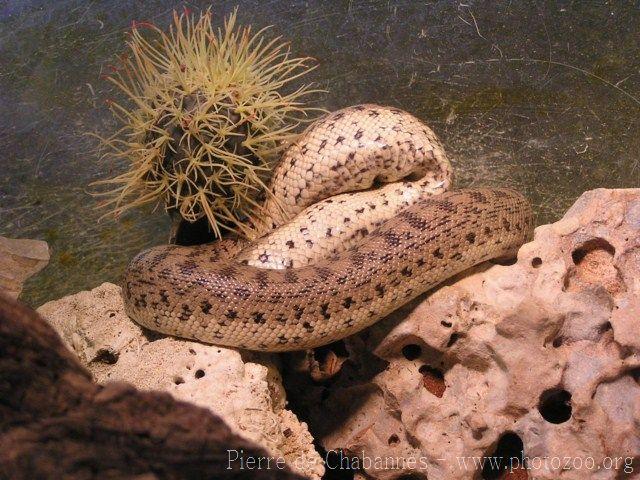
x=244 y=389
x=19 y=260
x=545 y=352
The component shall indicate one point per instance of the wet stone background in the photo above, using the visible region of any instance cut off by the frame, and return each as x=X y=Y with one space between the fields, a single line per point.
x=541 y=96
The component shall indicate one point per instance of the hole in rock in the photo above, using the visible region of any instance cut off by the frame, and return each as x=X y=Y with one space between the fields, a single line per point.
x=594 y=266
x=605 y=327
x=106 y=356
x=178 y=380
x=199 y=373
x=555 y=405
x=557 y=342
x=453 y=339
x=507 y=460
x=446 y=324
x=433 y=380
x=635 y=374
x=536 y=262
x=112 y=314
x=393 y=440
x=580 y=253
x=411 y=351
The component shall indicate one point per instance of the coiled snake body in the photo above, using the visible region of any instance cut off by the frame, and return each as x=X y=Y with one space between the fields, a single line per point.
x=341 y=264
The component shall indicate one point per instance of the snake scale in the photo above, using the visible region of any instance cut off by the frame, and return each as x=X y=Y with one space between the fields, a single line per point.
x=341 y=254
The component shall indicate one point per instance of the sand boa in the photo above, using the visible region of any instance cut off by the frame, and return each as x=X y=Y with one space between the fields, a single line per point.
x=340 y=283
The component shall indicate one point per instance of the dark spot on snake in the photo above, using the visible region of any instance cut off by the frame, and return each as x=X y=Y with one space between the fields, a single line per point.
x=164 y=298
x=205 y=307
x=471 y=237
x=358 y=134
x=282 y=339
x=392 y=239
x=360 y=210
x=323 y=272
x=228 y=271
x=186 y=313
x=437 y=253
x=506 y=224
x=324 y=309
x=308 y=327
x=142 y=301
x=351 y=155
x=258 y=317
x=348 y=302
x=299 y=311
x=323 y=144
x=420 y=262
x=242 y=292
x=290 y=244
x=281 y=318
x=386 y=258
x=290 y=276
x=340 y=139
x=346 y=220
x=487 y=230
x=456 y=256
x=406 y=272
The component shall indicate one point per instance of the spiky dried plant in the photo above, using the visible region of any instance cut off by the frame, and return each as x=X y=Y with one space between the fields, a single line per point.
x=209 y=117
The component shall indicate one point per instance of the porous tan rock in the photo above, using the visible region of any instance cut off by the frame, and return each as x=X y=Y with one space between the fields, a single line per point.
x=539 y=361
x=19 y=260
x=244 y=389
